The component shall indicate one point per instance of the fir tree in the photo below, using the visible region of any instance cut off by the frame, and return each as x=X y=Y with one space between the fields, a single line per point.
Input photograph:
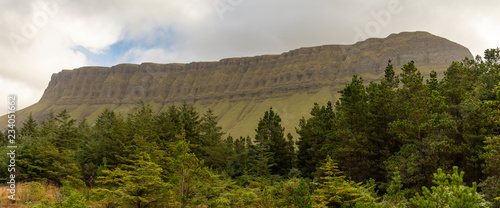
x=30 y=127
x=334 y=190
x=312 y=142
x=272 y=145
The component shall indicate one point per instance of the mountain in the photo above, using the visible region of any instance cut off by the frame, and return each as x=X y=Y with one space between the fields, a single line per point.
x=239 y=90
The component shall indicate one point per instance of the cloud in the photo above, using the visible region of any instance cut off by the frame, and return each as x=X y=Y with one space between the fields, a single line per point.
x=45 y=36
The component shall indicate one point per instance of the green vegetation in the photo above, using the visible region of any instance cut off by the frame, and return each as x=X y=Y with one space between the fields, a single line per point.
x=402 y=142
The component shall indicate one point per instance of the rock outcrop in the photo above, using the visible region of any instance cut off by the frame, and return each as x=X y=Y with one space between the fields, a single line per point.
x=240 y=81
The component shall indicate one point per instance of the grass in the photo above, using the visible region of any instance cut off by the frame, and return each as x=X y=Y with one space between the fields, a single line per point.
x=238 y=116
x=23 y=192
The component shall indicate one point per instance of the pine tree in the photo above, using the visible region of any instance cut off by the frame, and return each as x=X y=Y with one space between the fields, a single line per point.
x=110 y=140
x=191 y=123
x=312 y=142
x=167 y=125
x=40 y=160
x=140 y=122
x=352 y=145
x=271 y=144
x=67 y=132
x=30 y=127
x=214 y=151
x=389 y=75
x=432 y=83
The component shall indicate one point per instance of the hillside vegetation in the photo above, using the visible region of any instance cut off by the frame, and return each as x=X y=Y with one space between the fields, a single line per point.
x=403 y=141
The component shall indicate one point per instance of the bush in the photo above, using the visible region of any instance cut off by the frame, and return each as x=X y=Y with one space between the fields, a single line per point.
x=31 y=192
x=491 y=190
x=450 y=191
x=75 y=200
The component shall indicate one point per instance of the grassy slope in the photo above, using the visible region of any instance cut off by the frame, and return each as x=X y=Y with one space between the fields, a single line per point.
x=238 y=117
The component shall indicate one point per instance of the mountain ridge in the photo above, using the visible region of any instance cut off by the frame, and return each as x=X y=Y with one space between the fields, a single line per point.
x=232 y=86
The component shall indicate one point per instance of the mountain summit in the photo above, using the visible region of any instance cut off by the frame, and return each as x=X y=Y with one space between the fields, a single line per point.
x=239 y=90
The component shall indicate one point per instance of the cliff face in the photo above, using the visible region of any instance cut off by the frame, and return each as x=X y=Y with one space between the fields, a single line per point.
x=304 y=68
x=314 y=74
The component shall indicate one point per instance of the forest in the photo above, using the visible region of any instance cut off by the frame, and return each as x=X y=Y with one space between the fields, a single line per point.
x=403 y=141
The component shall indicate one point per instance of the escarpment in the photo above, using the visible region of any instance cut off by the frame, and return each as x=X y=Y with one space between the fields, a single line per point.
x=240 y=89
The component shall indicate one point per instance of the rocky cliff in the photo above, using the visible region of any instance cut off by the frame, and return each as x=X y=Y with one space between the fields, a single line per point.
x=241 y=89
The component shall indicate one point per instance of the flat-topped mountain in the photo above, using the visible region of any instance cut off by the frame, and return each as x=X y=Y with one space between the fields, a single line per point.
x=239 y=90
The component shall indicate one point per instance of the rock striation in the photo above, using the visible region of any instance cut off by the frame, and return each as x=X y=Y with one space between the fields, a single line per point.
x=237 y=80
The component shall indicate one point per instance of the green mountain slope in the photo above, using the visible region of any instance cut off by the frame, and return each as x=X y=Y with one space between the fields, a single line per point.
x=239 y=90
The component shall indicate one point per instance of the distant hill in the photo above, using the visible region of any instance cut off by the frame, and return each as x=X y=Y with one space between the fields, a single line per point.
x=239 y=90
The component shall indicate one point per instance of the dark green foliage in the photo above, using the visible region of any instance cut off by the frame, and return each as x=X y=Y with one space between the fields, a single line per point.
x=109 y=140
x=313 y=137
x=214 y=151
x=390 y=76
x=432 y=83
x=140 y=123
x=272 y=149
x=40 y=160
x=30 y=127
x=354 y=147
x=167 y=125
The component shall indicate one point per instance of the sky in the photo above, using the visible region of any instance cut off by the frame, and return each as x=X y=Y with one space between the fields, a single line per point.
x=42 y=37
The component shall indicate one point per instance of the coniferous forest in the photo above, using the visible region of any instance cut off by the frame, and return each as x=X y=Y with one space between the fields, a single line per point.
x=405 y=141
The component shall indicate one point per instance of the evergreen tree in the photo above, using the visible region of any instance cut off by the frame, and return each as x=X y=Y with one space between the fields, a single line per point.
x=390 y=76
x=426 y=132
x=191 y=124
x=215 y=152
x=40 y=160
x=459 y=79
x=492 y=156
x=354 y=149
x=67 y=133
x=188 y=171
x=140 y=123
x=381 y=112
x=168 y=124
x=30 y=127
x=110 y=141
x=239 y=163
x=335 y=191
x=450 y=191
x=271 y=143
x=136 y=185
x=491 y=186
x=49 y=126
x=432 y=83
x=302 y=197
x=312 y=141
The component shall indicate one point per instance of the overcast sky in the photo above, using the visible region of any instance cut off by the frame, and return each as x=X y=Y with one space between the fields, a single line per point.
x=41 y=37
